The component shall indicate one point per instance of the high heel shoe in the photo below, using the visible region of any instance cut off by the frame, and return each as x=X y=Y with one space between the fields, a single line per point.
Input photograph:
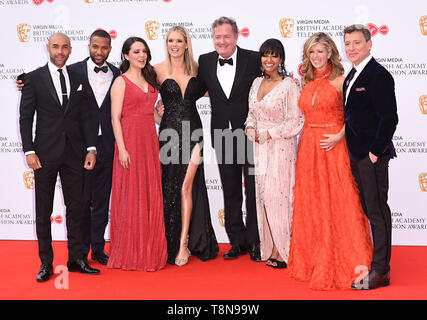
x=180 y=262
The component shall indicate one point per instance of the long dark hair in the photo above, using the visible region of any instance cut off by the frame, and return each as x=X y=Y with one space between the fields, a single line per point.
x=272 y=46
x=148 y=71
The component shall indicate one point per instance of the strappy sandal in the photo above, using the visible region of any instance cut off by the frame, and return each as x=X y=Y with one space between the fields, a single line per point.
x=271 y=260
x=280 y=265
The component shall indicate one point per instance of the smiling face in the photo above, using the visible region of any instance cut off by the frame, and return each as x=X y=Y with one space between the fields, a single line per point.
x=59 y=49
x=270 y=62
x=99 y=49
x=356 y=47
x=225 y=41
x=176 y=44
x=319 y=56
x=137 y=55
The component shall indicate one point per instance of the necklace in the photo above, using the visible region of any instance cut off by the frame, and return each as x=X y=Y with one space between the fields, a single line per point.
x=319 y=75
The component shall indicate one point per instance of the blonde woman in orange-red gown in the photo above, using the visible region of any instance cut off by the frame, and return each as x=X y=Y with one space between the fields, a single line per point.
x=330 y=242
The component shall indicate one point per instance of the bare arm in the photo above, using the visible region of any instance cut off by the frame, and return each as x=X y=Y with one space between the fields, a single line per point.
x=117 y=97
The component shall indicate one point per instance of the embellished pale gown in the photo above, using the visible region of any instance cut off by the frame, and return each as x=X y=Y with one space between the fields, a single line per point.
x=277 y=112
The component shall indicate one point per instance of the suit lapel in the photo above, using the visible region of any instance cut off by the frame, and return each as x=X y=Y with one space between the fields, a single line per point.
x=240 y=70
x=213 y=71
x=115 y=75
x=47 y=78
x=74 y=84
x=357 y=83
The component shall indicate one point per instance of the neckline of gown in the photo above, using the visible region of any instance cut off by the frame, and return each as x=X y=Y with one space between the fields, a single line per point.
x=176 y=82
x=256 y=97
x=142 y=90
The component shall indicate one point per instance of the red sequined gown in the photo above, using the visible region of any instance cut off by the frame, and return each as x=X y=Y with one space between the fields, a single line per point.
x=330 y=232
x=137 y=228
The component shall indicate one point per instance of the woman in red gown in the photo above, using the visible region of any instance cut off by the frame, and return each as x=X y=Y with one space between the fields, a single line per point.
x=137 y=228
x=330 y=243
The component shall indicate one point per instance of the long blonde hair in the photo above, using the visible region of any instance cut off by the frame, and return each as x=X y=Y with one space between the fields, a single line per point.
x=307 y=68
x=190 y=64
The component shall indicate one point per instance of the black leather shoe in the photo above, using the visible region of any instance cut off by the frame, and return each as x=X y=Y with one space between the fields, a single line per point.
x=101 y=257
x=254 y=252
x=372 y=281
x=80 y=265
x=234 y=252
x=45 y=272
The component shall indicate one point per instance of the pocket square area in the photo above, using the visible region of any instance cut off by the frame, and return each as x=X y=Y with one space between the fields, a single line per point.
x=80 y=87
x=360 y=89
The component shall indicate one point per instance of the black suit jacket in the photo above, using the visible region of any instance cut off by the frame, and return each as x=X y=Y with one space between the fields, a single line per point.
x=55 y=123
x=235 y=108
x=371 y=113
x=101 y=116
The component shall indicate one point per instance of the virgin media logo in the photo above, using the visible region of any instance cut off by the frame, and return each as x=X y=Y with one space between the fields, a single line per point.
x=374 y=29
x=39 y=2
x=244 y=32
x=57 y=219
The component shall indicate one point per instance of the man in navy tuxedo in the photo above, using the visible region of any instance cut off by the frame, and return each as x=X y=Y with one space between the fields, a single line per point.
x=370 y=122
x=99 y=76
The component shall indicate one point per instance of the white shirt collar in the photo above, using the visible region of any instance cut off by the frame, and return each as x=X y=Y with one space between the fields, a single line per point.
x=91 y=65
x=363 y=64
x=54 y=69
x=234 y=56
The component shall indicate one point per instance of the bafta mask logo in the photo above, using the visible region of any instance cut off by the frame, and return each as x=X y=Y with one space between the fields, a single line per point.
x=286 y=26
x=152 y=29
x=89 y=1
x=423 y=181
x=23 y=31
x=28 y=179
x=221 y=217
x=423 y=25
x=423 y=104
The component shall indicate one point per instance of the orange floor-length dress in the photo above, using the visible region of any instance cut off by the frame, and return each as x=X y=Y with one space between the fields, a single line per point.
x=330 y=238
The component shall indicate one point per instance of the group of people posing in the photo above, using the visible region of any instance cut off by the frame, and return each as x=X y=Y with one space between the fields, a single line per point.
x=317 y=207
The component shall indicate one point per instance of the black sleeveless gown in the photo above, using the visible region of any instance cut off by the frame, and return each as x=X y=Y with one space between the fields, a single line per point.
x=180 y=130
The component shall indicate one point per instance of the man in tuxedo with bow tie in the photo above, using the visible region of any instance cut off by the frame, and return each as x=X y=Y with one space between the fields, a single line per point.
x=227 y=74
x=370 y=122
x=64 y=144
x=98 y=75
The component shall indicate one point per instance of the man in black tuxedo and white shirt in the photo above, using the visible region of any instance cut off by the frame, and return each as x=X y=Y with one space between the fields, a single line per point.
x=370 y=122
x=64 y=144
x=99 y=75
x=227 y=74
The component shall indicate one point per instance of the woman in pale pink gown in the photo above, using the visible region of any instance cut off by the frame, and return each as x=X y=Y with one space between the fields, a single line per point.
x=273 y=123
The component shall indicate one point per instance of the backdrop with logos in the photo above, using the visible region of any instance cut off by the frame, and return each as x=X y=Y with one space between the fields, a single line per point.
x=399 y=35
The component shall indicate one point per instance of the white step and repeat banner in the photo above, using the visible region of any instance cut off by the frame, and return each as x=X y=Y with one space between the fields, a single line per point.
x=399 y=43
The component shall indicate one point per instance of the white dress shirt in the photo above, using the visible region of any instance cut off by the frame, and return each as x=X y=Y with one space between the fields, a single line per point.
x=359 y=68
x=100 y=83
x=226 y=74
x=54 y=73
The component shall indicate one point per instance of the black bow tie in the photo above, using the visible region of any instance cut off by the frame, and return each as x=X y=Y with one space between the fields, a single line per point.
x=224 y=61
x=103 y=69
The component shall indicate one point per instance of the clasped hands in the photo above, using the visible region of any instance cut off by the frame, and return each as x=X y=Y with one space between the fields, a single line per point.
x=259 y=137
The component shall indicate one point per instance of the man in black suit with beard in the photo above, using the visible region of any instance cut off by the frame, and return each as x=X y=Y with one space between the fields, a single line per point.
x=227 y=74
x=63 y=144
x=370 y=122
x=98 y=75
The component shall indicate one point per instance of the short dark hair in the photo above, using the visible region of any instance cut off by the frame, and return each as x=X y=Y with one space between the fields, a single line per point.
x=272 y=46
x=360 y=28
x=226 y=20
x=100 y=33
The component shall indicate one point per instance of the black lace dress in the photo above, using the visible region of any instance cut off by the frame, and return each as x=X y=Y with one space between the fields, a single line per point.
x=180 y=130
